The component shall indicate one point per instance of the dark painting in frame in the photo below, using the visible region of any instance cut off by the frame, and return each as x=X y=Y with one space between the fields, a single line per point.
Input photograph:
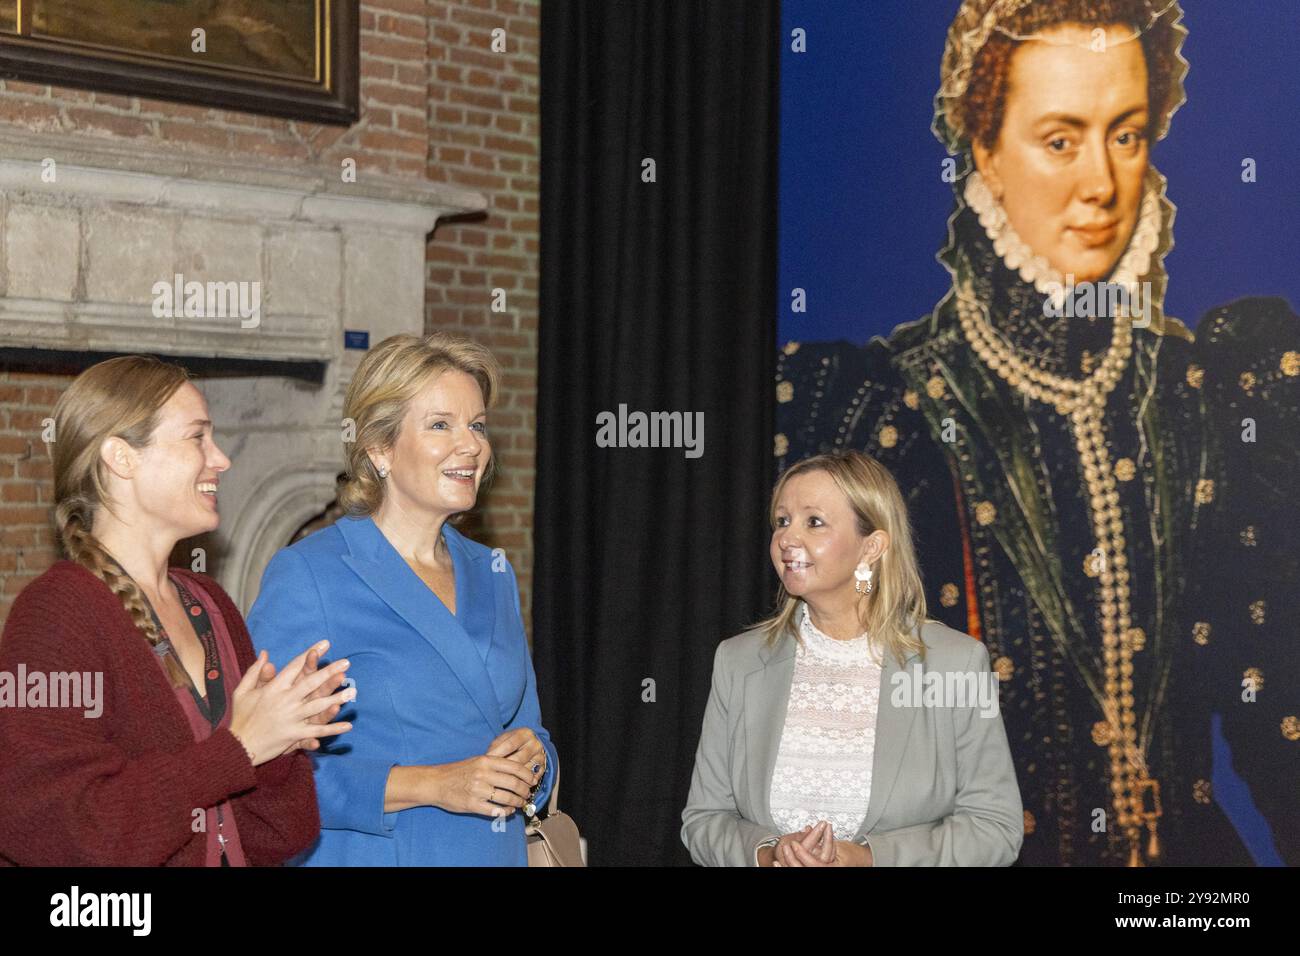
x=292 y=58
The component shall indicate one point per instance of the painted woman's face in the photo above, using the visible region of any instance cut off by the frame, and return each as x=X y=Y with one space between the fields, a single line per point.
x=1072 y=152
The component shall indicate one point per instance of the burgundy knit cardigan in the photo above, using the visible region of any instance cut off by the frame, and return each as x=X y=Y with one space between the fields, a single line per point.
x=121 y=789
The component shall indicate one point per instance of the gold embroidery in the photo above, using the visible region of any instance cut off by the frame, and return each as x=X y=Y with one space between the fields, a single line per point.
x=1004 y=668
x=948 y=595
x=1205 y=491
x=1103 y=732
x=1257 y=611
x=1290 y=364
x=791 y=348
x=1247 y=381
x=911 y=399
x=888 y=436
x=1255 y=676
x=1202 y=791
x=1201 y=633
x=1087 y=362
x=1291 y=727
x=1137 y=638
x=934 y=387
x=985 y=513
x=1093 y=564
x=785 y=391
x=1195 y=376
x=1125 y=469
x=1248 y=536
x=1030 y=823
x=781 y=445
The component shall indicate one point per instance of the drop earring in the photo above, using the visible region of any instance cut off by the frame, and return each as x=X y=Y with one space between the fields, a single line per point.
x=863 y=575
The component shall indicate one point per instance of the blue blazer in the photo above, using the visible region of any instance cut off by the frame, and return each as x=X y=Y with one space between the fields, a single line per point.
x=432 y=688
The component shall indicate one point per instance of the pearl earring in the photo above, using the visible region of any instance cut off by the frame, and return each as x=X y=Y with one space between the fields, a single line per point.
x=383 y=471
x=863 y=574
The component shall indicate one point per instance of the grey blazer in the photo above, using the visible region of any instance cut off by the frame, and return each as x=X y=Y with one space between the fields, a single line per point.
x=943 y=788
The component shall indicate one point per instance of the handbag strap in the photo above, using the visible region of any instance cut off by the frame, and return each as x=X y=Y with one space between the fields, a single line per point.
x=553 y=804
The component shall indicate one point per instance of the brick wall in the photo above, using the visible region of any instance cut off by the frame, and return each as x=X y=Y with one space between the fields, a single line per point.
x=438 y=103
x=484 y=134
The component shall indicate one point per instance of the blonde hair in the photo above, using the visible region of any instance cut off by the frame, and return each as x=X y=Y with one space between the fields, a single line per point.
x=381 y=390
x=121 y=397
x=895 y=609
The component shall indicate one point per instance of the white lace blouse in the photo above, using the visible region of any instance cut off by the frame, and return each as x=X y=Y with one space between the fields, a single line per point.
x=823 y=764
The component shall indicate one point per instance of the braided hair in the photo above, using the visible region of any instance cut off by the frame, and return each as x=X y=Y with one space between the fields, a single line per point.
x=121 y=397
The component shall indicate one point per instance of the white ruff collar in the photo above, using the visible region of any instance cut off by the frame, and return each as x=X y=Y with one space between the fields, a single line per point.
x=1034 y=269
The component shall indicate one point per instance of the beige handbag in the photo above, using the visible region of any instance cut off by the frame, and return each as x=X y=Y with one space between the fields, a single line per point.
x=553 y=840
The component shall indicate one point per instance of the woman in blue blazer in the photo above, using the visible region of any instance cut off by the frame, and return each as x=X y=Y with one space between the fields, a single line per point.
x=447 y=743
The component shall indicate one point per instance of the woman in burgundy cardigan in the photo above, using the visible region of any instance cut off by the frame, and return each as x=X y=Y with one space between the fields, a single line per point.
x=136 y=727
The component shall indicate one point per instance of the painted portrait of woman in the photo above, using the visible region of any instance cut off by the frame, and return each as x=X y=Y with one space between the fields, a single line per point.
x=1100 y=495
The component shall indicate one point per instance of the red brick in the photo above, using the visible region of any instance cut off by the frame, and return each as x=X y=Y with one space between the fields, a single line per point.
x=20 y=491
x=477 y=180
x=415 y=123
x=372 y=69
x=392 y=48
x=35 y=469
x=487 y=101
x=397 y=95
x=97 y=121
x=17 y=445
x=508 y=144
x=403 y=27
x=213 y=136
x=26 y=89
x=124 y=103
x=413 y=7
x=16 y=516
x=407 y=166
x=475 y=19
x=392 y=142
x=469 y=56
x=523 y=27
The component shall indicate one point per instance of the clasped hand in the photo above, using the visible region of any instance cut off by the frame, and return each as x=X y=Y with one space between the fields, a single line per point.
x=817 y=846
x=274 y=714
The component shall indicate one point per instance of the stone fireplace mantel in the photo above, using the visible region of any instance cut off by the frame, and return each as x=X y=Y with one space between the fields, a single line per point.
x=89 y=227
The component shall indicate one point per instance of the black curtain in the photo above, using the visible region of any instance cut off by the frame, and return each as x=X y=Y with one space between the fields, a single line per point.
x=657 y=296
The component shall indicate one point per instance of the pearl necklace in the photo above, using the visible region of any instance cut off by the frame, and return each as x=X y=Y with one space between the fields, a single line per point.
x=1084 y=401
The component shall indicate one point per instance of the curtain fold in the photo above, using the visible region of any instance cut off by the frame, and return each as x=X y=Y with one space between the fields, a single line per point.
x=658 y=297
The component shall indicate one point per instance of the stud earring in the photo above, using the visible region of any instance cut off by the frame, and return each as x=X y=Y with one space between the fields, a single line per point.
x=862 y=574
x=383 y=471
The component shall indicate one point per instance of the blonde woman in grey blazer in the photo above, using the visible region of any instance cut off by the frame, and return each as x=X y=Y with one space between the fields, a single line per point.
x=849 y=730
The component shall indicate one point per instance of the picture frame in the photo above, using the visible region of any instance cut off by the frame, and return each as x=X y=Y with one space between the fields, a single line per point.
x=297 y=59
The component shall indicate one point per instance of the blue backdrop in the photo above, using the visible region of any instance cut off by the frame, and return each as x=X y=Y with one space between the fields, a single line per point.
x=863 y=209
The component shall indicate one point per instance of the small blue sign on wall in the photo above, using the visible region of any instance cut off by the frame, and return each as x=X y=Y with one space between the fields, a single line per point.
x=355 y=339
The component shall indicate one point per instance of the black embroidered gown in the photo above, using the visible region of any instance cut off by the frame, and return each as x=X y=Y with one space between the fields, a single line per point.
x=999 y=503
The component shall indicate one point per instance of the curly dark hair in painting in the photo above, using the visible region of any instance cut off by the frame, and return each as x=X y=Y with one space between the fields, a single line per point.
x=984 y=103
